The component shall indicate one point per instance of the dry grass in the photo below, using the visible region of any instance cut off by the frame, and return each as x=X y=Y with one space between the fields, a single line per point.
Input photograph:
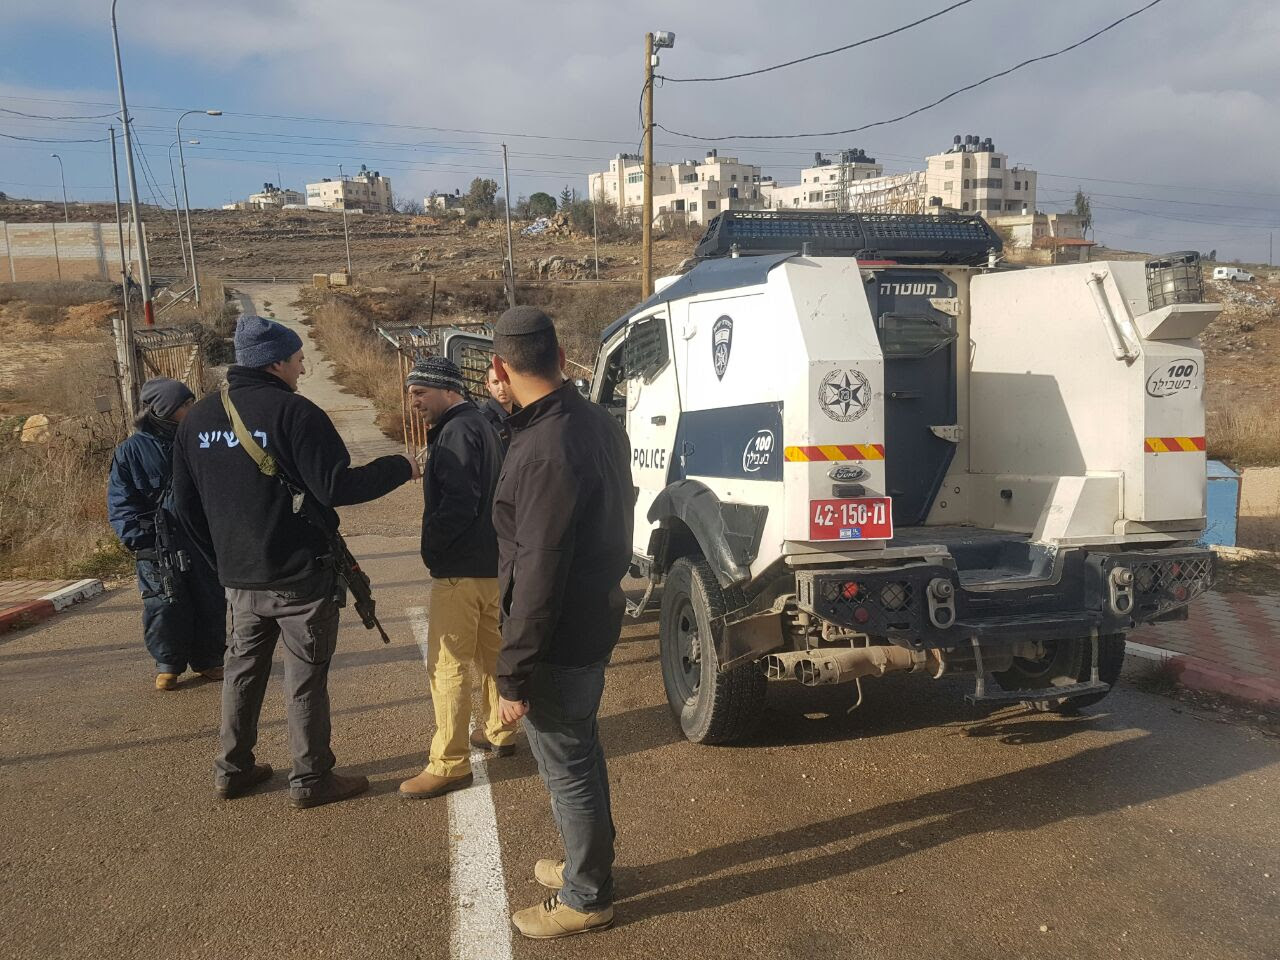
x=70 y=294
x=53 y=512
x=363 y=361
x=1243 y=436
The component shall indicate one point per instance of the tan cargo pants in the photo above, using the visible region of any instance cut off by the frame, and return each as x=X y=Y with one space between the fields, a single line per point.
x=462 y=631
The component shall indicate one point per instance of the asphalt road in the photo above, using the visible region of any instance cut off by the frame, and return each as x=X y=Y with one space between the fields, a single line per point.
x=917 y=826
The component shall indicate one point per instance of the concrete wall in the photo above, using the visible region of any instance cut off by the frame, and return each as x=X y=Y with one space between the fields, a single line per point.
x=1259 y=525
x=60 y=252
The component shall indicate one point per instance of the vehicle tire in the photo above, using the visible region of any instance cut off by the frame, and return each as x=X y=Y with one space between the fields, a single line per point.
x=712 y=706
x=1065 y=662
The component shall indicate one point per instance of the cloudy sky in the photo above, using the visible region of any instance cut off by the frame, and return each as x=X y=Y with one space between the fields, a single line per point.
x=1168 y=121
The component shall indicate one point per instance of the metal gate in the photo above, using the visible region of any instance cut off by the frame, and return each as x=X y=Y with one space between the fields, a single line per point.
x=170 y=352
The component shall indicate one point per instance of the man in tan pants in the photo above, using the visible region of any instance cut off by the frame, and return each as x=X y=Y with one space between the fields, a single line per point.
x=460 y=549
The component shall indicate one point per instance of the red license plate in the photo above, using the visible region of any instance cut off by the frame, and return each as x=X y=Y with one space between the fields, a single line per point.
x=869 y=518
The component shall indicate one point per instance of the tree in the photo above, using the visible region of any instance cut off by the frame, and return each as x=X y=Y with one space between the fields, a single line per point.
x=1084 y=210
x=481 y=199
x=1213 y=254
x=567 y=197
x=542 y=205
x=407 y=205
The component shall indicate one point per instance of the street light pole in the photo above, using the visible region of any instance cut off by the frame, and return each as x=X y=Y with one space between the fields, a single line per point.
x=66 y=217
x=652 y=41
x=346 y=236
x=186 y=201
x=143 y=266
x=173 y=178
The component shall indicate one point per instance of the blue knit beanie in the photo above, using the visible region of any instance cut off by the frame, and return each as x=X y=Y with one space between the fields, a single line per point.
x=261 y=342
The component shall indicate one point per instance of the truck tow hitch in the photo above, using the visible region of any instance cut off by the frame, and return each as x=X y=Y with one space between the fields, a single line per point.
x=980 y=695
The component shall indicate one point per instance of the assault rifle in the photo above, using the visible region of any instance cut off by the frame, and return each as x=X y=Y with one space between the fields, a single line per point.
x=350 y=576
x=171 y=559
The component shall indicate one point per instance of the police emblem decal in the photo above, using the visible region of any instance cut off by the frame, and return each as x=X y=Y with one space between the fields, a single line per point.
x=844 y=395
x=721 y=344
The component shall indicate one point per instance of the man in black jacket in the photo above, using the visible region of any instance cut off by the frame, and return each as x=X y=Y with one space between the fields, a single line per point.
x=563 y=514
x=460 y=550
x=499 y=406
x=273 y=562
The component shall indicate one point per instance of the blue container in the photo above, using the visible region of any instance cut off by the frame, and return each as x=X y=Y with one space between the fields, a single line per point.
x=1222 y=503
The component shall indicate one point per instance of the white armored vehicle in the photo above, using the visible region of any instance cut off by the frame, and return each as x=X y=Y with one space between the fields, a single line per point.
x=859 y=446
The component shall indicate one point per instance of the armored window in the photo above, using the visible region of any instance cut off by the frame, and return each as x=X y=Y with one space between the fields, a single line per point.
x=645 y=352
x=904 y=336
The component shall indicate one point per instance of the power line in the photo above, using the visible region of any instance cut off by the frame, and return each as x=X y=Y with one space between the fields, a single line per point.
x=928 y=106
x=41 y=116
x=13 y=136
x=815 y=56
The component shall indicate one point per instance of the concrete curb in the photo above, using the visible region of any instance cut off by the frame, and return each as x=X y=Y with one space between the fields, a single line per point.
x=29 y=614
x=1195 y=673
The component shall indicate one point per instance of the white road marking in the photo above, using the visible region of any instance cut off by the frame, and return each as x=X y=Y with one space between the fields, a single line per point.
x=480 y=928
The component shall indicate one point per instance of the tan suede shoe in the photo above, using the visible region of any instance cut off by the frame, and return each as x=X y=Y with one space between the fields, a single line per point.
x=166 y=681
x=549 y=873
x=426 y=785
x=551 y=920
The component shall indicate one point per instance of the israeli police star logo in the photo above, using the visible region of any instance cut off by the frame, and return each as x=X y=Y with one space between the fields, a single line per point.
x=844 y=395
x=721 y=344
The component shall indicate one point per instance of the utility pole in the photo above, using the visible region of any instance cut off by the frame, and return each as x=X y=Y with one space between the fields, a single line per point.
x=186 y=202
x=182 y=243
x=346 y=236
x=595 y=233
x=652 y=41
x=124 y=333
x=66 y=217
x=144 y=268
x=510 y=271
x=646 y=205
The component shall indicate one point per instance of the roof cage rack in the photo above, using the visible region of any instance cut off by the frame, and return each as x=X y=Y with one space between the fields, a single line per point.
x=902 y=237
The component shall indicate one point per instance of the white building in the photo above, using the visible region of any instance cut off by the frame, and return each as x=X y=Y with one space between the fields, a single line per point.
x=695 y=191
x=822 y=185
x=443 y=202
x=973 y=178
x=273 y=197
x=367 y=190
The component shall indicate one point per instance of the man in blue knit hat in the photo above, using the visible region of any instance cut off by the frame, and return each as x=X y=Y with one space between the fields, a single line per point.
x=273 y=561
x=184 y=612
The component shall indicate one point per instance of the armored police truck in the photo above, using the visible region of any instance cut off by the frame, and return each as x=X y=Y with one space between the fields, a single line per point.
x=861 y=445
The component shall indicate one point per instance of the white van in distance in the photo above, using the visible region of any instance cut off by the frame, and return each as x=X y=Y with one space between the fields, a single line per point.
x=1232 y=273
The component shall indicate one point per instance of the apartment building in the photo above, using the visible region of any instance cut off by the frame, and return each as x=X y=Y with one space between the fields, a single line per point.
x=973 y=177
x=695 y=191
x=273 y=197
x=367 y=190
x=825 y=183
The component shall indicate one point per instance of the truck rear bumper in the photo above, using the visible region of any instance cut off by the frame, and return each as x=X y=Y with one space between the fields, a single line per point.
x=926 y=604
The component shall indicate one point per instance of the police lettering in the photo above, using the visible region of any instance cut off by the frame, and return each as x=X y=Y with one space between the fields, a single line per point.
x=649 y=458
x=909 y=289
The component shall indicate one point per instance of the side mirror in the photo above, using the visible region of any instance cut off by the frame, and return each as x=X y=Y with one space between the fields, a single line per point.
x=584 y=387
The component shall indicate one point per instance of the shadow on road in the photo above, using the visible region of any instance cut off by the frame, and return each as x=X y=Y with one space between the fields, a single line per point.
x=1092 y=782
